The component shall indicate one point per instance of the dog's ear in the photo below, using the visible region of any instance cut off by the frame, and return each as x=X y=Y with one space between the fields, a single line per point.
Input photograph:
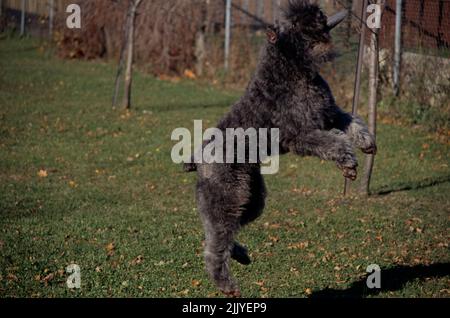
x=272 y=35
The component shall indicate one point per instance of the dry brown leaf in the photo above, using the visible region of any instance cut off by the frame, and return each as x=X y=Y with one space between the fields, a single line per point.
x=138 y=260
x=43 y=173
x=300 y=245
x=49 y=277
x=110 y=249
x=274 y=239
x=73 y=184
x=190 y=74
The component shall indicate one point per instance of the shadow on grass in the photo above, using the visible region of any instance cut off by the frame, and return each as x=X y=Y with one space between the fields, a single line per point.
x=392 y=279
x=414 y=185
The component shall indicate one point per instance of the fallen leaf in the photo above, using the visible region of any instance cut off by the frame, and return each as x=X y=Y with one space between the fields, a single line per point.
x=42 y=173
x=110 y=249
x=72 y=184
x=300 y=245
x=138 y=260
x=260 y=283
x=274 y=238
x=48 y=278
x=184 y=292
x=189 y=74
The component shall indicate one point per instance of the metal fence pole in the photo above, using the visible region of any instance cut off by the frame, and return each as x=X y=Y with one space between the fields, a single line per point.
x=276 y=8
x=260 y=9
x=227 y=34
x=51 y=14
x=244 y=17
x=22 y=19
x=398 y=47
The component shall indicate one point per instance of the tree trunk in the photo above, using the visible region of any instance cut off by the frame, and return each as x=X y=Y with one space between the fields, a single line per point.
x=357 y=86
x=130 y=51
x=372 y=105
x=121 y=60
x=200 y=52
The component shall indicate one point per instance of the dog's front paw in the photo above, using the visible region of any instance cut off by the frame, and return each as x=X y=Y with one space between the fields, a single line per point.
x=369 y=147
x=361 y=137
x=350 y=173
x=366 y=142
x=348 y=164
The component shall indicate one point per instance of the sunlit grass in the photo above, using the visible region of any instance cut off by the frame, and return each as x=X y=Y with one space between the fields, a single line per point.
x=83 y=183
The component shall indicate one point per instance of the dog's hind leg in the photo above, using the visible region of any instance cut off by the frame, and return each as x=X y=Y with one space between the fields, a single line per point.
x=255 y=205
x=219 y=240
x=220 y=213
x=250 y=212
x=240 y=254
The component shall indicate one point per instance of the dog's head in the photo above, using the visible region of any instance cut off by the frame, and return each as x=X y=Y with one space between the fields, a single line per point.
x=303 y=34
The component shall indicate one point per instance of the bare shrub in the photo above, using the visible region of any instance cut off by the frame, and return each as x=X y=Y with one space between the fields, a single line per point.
x=165 y=32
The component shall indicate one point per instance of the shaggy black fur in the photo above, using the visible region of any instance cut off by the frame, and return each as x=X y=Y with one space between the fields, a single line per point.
x=286 y=92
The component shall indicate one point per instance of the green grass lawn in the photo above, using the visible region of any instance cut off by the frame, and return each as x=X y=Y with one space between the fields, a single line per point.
x=83 y=183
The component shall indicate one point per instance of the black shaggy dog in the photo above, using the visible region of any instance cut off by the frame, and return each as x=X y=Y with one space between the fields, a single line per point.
x=286 y=92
